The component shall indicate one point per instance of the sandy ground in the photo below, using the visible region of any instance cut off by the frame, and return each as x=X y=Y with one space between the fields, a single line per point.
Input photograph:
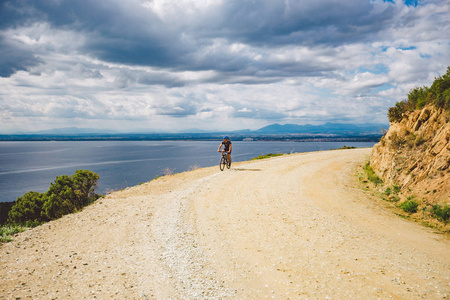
x=291 y=227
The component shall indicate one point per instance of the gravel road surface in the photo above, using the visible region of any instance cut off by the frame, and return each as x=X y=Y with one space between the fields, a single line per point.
x=290 y=227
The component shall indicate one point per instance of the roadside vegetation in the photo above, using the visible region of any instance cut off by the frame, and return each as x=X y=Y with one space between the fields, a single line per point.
x=267 y=156
x=403 y=203
x=67 y=194
x=438 y=94
x=346 y=147
x=408 y=145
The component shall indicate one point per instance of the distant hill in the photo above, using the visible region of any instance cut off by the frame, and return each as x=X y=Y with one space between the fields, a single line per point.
x=73 y=131
x=328 y=128
x=271 y=132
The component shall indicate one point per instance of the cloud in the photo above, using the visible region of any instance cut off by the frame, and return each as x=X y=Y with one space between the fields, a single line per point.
x=168 y=62
x=15 y=56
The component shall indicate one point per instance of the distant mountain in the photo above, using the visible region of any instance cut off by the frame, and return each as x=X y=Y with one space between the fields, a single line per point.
x=73 y=131
x=271 y=132
x=328 y=128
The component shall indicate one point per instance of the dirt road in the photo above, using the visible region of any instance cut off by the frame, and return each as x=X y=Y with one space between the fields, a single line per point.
x=291 y=227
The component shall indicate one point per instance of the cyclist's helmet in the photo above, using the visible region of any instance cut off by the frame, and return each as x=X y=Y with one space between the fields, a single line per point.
x=225 y=137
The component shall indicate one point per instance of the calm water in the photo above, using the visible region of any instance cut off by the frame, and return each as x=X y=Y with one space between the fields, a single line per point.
x=32 y=166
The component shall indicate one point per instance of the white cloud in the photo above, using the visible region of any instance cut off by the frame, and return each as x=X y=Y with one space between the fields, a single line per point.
x=168 y=64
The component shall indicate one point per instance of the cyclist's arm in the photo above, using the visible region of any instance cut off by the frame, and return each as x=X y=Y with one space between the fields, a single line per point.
x=229 y=150
x=218 y=150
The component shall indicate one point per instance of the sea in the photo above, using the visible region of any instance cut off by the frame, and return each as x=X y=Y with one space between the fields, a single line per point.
x=32 y=166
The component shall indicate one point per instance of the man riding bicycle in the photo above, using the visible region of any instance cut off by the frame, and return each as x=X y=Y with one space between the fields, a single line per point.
x=227 y=147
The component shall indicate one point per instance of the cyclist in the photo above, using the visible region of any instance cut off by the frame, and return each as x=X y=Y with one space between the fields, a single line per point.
x=227 y=147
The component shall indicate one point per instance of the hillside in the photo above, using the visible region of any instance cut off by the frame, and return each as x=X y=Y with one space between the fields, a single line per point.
x=291 y=227
x=415 y=155
x=413 y=158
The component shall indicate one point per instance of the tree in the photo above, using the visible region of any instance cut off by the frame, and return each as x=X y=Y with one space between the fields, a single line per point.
x=417 y=97
x=84 y=184
x=65 y=195
x=438 y=94
x=61 y=198
x=441 y=89
x=27 y=209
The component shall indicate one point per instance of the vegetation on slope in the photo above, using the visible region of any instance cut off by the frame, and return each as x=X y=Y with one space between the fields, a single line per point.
x=267 y=156
x=412 y=159
x=438 y=95
x=67 y=194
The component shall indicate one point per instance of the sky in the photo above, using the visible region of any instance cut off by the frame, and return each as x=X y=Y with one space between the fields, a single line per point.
x=175 y=65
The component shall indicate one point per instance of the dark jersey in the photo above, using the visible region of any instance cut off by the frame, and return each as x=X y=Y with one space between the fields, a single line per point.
x=227 y=145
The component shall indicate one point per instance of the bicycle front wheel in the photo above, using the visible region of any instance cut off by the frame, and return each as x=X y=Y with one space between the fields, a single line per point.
x=223 y=162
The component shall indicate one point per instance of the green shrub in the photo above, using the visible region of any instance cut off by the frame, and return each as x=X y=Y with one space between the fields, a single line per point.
x=417 y=97
x=438 y=95
x=395 y=199
x=410 y=205
x=5 y=207
x=395 y=114
x=27 y=209
x=371 y=175
x=84 y=184
x=267 y=156
x=68 y=194
x=442 y=213
x=6 y=231
x=65 y=195
x=346 y=147
x=396 y=189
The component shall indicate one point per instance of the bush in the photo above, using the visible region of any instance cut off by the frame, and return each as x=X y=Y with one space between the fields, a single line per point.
x=346 y=147
x=442 y=213
x=417 y=97
x=438 y=95
x=7 y=231
x=65 y=195
x=68 y=194
x=27 y=208
x=410 y=205
x=5 y=207
x=84 y=184
x=371 y=175
x=395 y=114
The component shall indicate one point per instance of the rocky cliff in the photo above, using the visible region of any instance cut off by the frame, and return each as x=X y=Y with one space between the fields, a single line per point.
x=415 y=155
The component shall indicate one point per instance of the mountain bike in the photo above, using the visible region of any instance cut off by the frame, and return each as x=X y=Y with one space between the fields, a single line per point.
x=224 y=161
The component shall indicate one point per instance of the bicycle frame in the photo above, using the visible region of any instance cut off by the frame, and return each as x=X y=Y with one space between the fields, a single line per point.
x=224 y=161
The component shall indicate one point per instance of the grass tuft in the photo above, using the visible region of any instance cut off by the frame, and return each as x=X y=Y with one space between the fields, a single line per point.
x=7 y=231
x=410 y=205
x=267 y=156
x=371 y=175
x=442 y=213
x=346 y=147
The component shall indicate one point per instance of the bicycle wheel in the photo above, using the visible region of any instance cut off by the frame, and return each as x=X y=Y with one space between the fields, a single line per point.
x=222 y=164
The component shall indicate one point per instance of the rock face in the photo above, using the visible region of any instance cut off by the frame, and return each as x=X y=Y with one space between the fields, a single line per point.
x=415 y=154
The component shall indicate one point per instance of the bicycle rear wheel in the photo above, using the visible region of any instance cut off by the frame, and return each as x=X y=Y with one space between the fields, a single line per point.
x=222 y=164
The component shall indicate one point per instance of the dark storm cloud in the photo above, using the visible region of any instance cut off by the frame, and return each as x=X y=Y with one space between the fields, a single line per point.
x=114 y=31
x=125 y=32
x=302 y=21
x=15 y=57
